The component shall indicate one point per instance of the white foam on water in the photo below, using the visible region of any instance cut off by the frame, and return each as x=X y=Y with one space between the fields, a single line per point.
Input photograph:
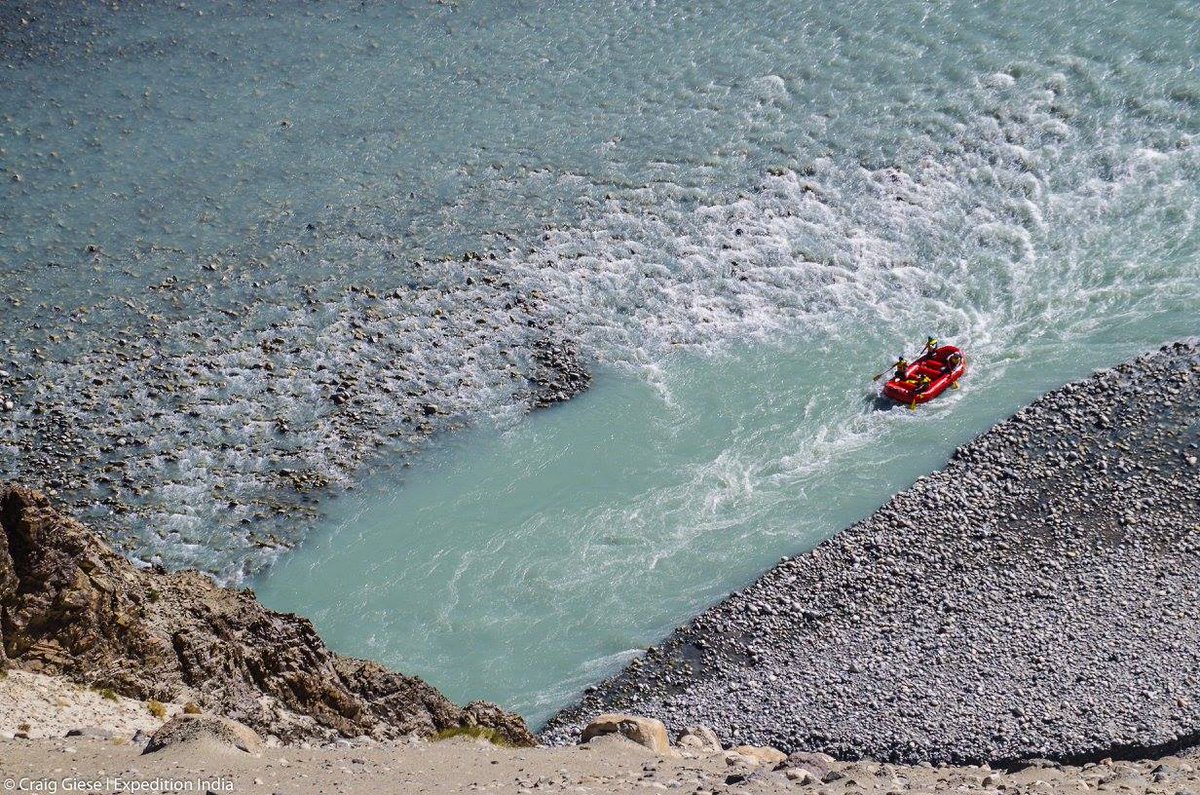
x=973 y=236
x=744 y=229
x=962 y=238
x=1014 y=251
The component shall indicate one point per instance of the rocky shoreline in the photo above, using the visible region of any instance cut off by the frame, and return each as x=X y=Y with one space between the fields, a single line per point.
x=1036 y=598
x=73 y=608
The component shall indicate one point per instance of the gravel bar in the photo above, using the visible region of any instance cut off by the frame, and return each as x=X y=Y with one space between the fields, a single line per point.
x=1036 y=598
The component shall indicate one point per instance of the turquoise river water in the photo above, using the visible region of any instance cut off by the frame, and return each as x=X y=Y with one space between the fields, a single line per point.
x=742 y=211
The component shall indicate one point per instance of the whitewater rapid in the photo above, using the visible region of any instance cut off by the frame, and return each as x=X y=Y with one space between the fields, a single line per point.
x=254 y=260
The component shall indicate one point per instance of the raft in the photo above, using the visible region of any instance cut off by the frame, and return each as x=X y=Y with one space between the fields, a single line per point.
x=941 y=377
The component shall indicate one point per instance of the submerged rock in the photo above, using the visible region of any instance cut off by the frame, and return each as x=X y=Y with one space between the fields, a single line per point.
x=75 y=608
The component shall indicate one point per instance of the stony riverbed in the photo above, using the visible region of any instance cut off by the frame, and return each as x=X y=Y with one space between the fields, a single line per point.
x=1037 y=597
x=209 y=441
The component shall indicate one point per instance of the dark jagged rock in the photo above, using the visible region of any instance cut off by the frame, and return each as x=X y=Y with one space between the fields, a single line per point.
x=71 y=606
x=1035 y=598
x=558 y=373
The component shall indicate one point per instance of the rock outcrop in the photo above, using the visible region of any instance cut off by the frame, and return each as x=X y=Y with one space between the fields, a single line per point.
x=71 y=606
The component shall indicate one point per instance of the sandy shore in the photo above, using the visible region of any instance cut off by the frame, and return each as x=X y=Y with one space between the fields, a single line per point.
x=47 y=707
x=1035 y=598
x=610 y=766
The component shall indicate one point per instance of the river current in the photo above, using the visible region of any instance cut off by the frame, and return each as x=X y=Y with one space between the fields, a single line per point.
x=741 y=212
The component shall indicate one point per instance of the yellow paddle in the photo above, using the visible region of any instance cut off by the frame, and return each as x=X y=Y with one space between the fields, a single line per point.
x=877 y=376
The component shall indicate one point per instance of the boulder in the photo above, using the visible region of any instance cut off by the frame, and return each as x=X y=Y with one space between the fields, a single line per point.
x=92 y=733
x=207 y=730
x=700 y=739
x=507 y=725
x=648 y=732
x=817 y=764
x=799 y=775
x=761 y=754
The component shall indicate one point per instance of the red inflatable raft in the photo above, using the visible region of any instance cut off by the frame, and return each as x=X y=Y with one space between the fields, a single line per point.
x=940 y=371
